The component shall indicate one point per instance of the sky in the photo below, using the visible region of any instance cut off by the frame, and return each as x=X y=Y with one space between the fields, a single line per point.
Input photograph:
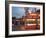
x=18 y=12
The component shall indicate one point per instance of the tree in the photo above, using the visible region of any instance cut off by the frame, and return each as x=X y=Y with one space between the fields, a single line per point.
x=13 y=18
x=26 y=10
x=38 y=11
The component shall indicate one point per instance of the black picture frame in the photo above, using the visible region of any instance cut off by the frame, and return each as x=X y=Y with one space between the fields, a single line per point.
x=7 y=18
